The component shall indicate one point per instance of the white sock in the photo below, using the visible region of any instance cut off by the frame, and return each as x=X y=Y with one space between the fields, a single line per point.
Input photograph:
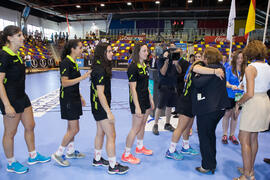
x=70 y=147
x=97 y=154
x=127 y=151
x=11 y=160
x=112 y=161
x=139 y=144
x=185 y=144
x=172 y=147
x=33 y=154
x=60 y=151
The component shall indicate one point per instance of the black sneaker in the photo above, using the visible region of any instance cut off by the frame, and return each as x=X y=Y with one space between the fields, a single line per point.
x=155 y=129
x=169 y=127
x=118 y=169
x=101 y=162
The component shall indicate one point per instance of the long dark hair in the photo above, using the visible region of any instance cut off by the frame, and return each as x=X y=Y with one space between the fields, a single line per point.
x=234 y=61
x=8 y=31
x=136 y=51
x=100 y=58
x=67 y=48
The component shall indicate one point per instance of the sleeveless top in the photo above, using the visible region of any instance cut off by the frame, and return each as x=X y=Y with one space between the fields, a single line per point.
x=262 y=80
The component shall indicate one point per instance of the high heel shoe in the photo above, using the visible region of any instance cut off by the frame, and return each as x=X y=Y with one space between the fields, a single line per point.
x=202 y=170
x=252 y=174
x=246 y=177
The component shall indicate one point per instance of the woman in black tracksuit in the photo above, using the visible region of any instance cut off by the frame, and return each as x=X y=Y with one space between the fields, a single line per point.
x=209 y=100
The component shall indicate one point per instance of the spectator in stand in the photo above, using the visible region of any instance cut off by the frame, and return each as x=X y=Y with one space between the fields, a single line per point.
x=52 y=37
x=225 y=62
x=67 y=36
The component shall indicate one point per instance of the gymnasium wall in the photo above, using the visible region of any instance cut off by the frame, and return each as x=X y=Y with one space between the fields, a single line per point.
x=13 y=15
x=81 y=27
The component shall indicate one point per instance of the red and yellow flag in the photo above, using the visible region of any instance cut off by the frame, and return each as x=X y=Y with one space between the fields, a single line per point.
x=250 y=25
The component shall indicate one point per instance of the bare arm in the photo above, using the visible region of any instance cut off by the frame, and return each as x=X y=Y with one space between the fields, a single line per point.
x=132 y=86
x=70 y=82
x=205 y=70
x=103 y=101
x=233 y=87
x=102 y=98
x=250 y=74
x=3 y=95
x=164 y=68
x=178 y=67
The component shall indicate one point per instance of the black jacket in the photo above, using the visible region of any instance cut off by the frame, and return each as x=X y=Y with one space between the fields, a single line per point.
x=209 y=93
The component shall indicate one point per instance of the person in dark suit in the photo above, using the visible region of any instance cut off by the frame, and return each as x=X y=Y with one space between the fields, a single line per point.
x=209 y=100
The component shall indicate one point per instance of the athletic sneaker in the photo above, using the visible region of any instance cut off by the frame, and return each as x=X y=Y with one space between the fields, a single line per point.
x=169 y=127
x=224 y=139
x=234 y=140
x=75 y=155
x=189 y=151
x=17 y=168
x=175 y=155
x=155 y=129
x=144 y=151
x=101 y=162
x=61 y=160
x=118 y=169
x=38 y=159
x=130 y=159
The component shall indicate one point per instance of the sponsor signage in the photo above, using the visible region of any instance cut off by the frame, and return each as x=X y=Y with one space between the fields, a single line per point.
x=218 y=39
x=80 y=62
x=133 y=38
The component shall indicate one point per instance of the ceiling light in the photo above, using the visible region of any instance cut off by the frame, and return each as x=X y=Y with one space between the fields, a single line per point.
x=157 y=2
x=220 y=0
x=78 y=6
x=102 y=5
x=189 y=1
x=129 y=3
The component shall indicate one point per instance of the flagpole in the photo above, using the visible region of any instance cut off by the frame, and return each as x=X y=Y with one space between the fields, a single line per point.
x=230 y=54
x=248 y=38
x=266 y=21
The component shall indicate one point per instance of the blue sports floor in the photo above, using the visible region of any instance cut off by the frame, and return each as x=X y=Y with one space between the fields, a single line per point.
x=42 y=90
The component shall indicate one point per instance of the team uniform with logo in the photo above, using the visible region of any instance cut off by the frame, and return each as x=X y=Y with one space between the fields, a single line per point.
x=70 y=98
x=99 y=77
x=12 y=65
x=139 y=73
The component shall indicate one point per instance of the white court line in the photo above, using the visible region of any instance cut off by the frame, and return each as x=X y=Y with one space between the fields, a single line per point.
x=45 y=103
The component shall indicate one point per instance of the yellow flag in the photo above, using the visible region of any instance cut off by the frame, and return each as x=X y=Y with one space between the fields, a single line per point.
x=250 y=25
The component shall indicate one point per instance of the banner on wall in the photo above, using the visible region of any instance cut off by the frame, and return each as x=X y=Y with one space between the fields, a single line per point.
x=183 y=46
x=218 y=39
x=80 y=62
x=121 y=63
x=132 y=38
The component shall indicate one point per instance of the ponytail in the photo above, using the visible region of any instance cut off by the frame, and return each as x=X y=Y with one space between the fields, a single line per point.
x=67 y=48
x=8 y=31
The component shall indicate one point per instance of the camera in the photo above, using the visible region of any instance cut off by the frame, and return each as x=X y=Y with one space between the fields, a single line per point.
x=173 y=55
